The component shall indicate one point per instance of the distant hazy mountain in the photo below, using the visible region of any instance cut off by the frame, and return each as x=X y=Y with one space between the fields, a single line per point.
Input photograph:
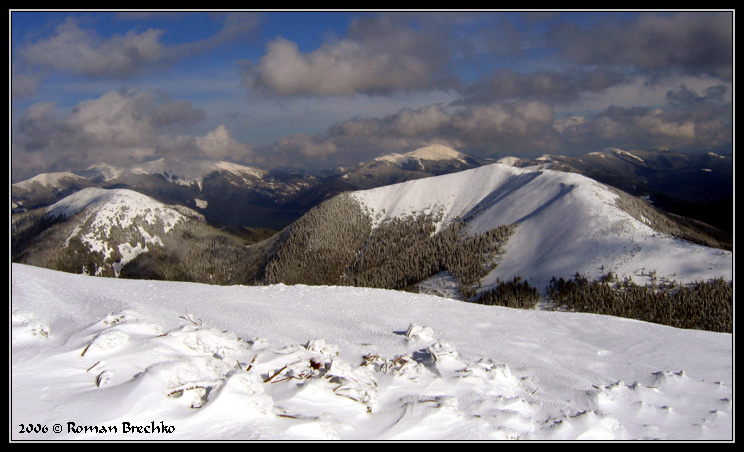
x=225 y=193
x=388 y=169
x=458 y=234
x=255 y=202
x=45 y=189
x=427 y=161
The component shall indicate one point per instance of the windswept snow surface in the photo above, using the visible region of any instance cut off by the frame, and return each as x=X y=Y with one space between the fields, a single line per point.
x=567 y=223
x=183 y=361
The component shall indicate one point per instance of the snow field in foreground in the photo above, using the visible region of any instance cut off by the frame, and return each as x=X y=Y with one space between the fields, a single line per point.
x=304 y=363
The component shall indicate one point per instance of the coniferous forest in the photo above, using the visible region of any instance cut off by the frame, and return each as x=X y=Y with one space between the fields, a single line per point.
x=335 y=244
x=705 y=305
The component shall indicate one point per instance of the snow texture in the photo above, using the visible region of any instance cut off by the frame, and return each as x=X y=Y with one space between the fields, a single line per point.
x=182 y=361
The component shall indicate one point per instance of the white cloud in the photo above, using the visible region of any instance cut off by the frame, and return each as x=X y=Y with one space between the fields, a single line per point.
x=219 y=145
x=120 y=127
x=380 y=56
x=343 y=68
x=73 y=49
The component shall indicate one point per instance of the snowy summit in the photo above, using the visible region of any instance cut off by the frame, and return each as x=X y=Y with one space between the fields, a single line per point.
x=566 y=223
x=434 y=152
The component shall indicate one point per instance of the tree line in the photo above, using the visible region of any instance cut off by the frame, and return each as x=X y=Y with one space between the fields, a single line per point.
x=705 y=305
x=674 y=225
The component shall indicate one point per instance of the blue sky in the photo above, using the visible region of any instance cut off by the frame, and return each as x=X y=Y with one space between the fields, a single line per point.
x=311 y=90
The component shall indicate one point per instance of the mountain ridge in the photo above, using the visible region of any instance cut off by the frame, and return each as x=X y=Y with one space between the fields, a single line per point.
x=696 y=186
x=269 y=198
x=548 y=207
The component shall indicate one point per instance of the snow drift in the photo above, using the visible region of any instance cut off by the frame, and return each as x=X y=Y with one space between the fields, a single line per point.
x=98 y=358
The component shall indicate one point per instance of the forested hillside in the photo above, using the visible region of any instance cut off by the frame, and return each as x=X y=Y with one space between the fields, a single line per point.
x=335 y=244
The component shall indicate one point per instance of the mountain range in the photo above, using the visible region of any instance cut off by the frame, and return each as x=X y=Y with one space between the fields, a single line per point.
x=286 y=353
x=694 y=186
x=460 y=234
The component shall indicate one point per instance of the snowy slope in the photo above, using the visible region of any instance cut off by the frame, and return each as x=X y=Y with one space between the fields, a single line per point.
x=567 y=223
x=115 y=207
x=141 y=219
x=50 y=181
x=199 y=362
x=44 y=189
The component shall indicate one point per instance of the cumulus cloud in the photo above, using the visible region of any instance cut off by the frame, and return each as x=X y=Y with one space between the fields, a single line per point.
x=693 y=122
x=379 y=56
x=515 y=128
x=74 y=49
x=596 y=86
x=219 y=145
x=120 y=127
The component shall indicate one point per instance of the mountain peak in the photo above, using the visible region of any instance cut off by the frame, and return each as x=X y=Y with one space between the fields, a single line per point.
x=49 y=180
x=115 y=226
x=434 y=152
x=566 y=223
x=115 y=207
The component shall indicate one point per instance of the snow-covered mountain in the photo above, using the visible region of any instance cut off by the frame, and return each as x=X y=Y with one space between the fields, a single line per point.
x=427 y=161
x=189 y=173
x=214 y=188
x=432 y=153
x=101 y=359
x=695 y=186
x=238 y=195
x=194 y=172
x=51 y=181
x=698 y=186
x=112 y=227
x=539 y=224
x=564 y=223
x=99 y=231
x=116 y=359
x=45 y=189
